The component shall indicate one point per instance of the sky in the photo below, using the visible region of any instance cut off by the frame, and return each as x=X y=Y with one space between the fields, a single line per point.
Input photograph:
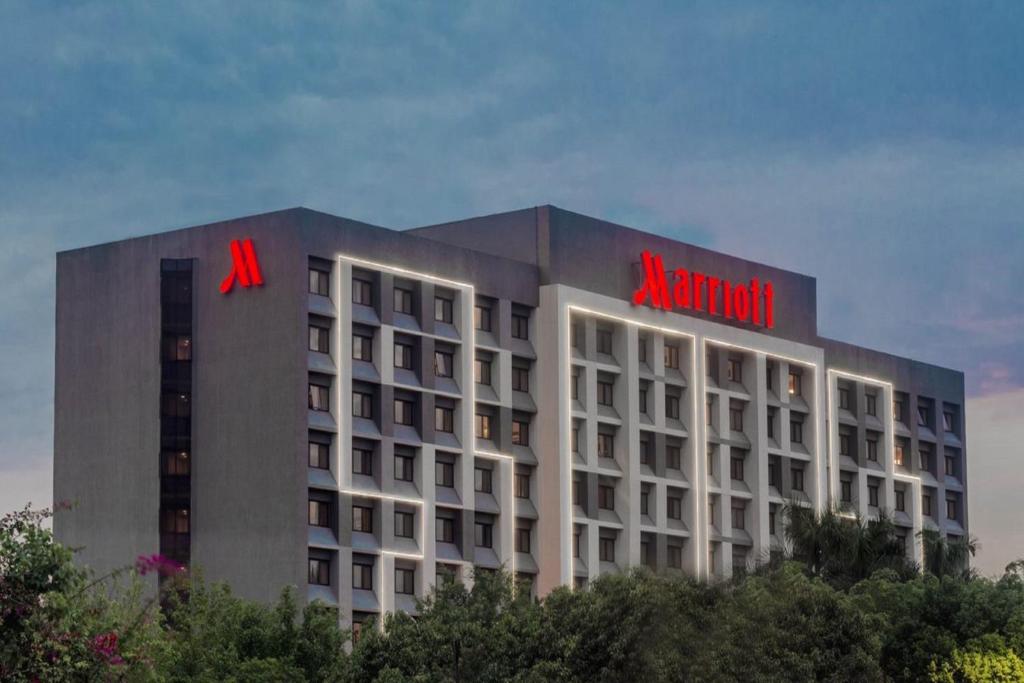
x=878 y=147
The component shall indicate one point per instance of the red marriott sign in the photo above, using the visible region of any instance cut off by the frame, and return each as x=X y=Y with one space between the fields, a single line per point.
x=751 y=302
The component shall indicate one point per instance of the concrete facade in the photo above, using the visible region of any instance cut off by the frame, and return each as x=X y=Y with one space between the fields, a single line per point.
x=503 y=355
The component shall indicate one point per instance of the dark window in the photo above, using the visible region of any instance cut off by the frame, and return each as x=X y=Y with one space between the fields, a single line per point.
x=898 y=410
x=405 y=581
x=522 y=539
x=645 y=450
x=319 y=572
x=873 y=495
x=362 y=461
x=926 y=457
x=362 y=348
x=174 y=521
x=736 y=468
x=403 y=301
x=319 y=282
x=362 y=519
x=673 y=457
x=675 y=507
x=403 y=412
x=444 y=472
x=950 y=466
x=771 y=520
x=641 y=349
x=444 y=419
x=845 y=490
x=844 y=398
x=606 y=497
x=403 y=356
x=444 y=529
x=522 y=485
x=872 y=450
x=769 y=372
x=403 y=467
x=177 y=347
x=675 y=557
x=575 y=384
x=844 y=444
x=444 y=364
x=872 y=404
x=484 y=534
x=404 y=524
x=319 y=455
x=482 y=368
x=773 y=473
x=482 y=480
x=643 y=399
x=950 y=508
x=520 y=433
x=319 y=398
x=771 y=423
x=736 y=419
x=948 y=421
x=520 y=378
x=482 y=318
x=645 y=495
x=319 y=339
x=604 y=393
x=362 y=292
x=796 y=430
x=319 y=513
x=362 y=405
x=926 y=504
x=922 y=416
x=606 y=549
x=442 y=309
x=604 y=341
x=797 y=477
x=734 y=370
x=672 y=406
x=520 y=326
x=739 y=514
x=362 y=576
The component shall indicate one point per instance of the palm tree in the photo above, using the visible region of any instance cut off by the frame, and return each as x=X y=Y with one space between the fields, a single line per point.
x=943 y=557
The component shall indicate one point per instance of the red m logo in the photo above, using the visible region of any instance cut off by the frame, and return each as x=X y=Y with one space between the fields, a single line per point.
x=244 y=266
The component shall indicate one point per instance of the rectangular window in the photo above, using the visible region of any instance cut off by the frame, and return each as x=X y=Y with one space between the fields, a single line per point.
x=520 y=326
x=443 y=310
x=319 y=455
x=403 y=356
x=522 y=539
x=671 y=357
x=403 y=467
x=174 y=521
x=362 y=519
x=444 y=419
x=403 y=524
x=871 y=408
x=444 y=529
x=771 y=423
x=483 y=480
x=845 y=490
x=734 y=370
x=645 y=450
x=362 y=576
x=482 y=318
x=773 y=473
x=675 y=557
x=844 y=444
x=362 y=292
x=950 y=509
x=522 y=485
x=674 y=507
x=922 y=416
x=444 y=473
x=898 y=410
x=319 y=339
x=444 y=364
x=484 y=534
x=897 y=455
x=736 y=419
x=771 y=520
x=644 y=501
x=925 y=456
x=926 y=504
x=797 y=476
x=319 y=282
x=769 y=372
x=606 y=549
x=319 y=398
x=403 y=301
x=575 y=384
x=949 y=469
x=319 y=512
x=873 y=495
x=319 y=572
x=641 y=349
x=794 y=384
x=576 y=542
x=872 y=450
x=948 y=422
x=605 y=445
x=606 y=497
x=362 y=348
x=671 y=406
x=520 y=378
x=710 y=412
x=362 y=461
x=643 y=399
x=482 y=371
x=575 y=440
x=739 y=513
x=576 y=490
x=520 y=433
x=405 y=581
x=483 y=426
x=901 y=503
x=736 y=468
x=403 y=412
x=844 y=398
x=796 y=430
x=673 y=457
x=604 y=341
x=604 y=393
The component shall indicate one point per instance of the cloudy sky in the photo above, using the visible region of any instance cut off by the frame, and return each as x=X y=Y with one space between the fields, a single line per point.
x=878 y=148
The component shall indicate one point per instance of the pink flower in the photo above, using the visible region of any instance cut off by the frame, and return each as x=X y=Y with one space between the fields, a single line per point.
x=105 y=645
x=163 y=566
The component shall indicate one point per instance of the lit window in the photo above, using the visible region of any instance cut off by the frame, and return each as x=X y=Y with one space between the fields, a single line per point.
x=483 y=426
x=794 y=384
x=897 y=456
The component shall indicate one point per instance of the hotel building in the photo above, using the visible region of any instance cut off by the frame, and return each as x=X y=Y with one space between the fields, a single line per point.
x=300 y=399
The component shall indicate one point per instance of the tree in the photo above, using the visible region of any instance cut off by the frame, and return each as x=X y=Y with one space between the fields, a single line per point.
x=943 y=557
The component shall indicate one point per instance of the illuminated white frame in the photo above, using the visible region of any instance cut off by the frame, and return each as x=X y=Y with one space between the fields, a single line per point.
x=887 y=386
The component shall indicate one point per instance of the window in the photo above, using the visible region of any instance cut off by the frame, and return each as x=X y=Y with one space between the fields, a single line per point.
x=673 y=457
x=403 y=301
x=736 y=468
x=734 y=370
x=403 y=467
x=444 y=529
x=319 y=455
x=520 y=378
x=362 y=461
x=674 y=506
x=319 y=572
x=735 y=419
x=770 y=375
x=403 y=356
x=873 y=495
x=319 y=339
x=671 y=357
x=794 y=384
x=675 y=557
x=797 y=477
x=520 y=433
x=522 y=485
x=443 y=310
x=845 y=490
x=948 y=422
x=898 y=409
x=482 y=318
x=577 y=490
x=177 y=347
x=484 y=533
x=403 y=412
x=926 y=504
x=575 y=388
x=950 y=508
x=645 y=495
x=844 y=398
x=405 y=581
x=949 y=466
x=641 y=349
x=922 y=416
x=771 y=519
x=606 y=549
x=174 y=521
x=671 y=406
x=739 y=516
x=773 y=472
x=925 y=456
x=362 y=292
x=901 y=502
x=796 y=429
x=711 y=411
x=844 y=444
x=319 y=282
x=575 y=439
x=483 y=426
x=520 y=326
x=482 y=480
x=362 y=348
x=605 y=445
x=771 y=422
x=645 y=450
x=362 y=519
x=643 y=399
x=897 y=455
x=444 y=473
x=319 y=398
x=872 y=404
x=444 y=363
x=362 y=576
x=606 y=497
x=403 y=524
x=604 y=341
x=319 y=512
x=444 y=419
x=576 y=541
x=711 y=510
x=482 y=371
x=872 y=450
x=522 y=539
x=604 y=393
